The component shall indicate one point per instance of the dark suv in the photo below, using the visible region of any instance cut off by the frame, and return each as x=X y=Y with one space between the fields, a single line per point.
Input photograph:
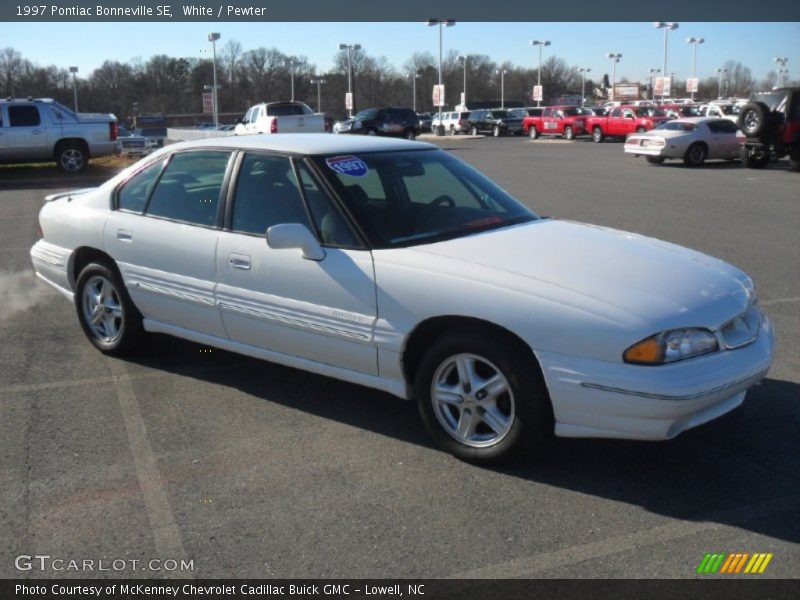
x=771 y=126
x=402 y=122
x=495 y=121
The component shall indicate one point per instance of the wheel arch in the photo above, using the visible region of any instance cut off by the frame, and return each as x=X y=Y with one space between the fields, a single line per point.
x=84 y=255
x=71 y=140
x=428 y=331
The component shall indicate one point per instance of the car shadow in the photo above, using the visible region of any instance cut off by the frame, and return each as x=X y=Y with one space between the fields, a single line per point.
x=719 y=472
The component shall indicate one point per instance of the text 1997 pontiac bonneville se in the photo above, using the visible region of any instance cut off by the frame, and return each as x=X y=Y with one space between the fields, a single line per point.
x=394 y=265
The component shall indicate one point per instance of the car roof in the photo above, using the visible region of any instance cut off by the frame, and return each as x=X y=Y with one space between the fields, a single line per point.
x=306 y=143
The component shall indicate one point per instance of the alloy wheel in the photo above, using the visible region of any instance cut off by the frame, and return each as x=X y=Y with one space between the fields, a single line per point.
x=102 y=309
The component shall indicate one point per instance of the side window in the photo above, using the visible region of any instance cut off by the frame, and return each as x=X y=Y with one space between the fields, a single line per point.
x=134 y=193
x=189 y=189
x=332 y=227
x=23 y=116
x=615 y=112
x=426 y=181
x=266 y=195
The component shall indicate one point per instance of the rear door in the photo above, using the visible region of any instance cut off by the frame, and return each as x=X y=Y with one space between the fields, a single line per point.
x=26 y=133
x=164 y=237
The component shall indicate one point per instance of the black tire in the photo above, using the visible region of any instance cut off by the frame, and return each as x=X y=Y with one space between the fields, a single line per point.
x=753 y=119
x=409 y=134
x=72 y=157
x=532 y=413
x=452 y=130
x=569 y=134
x=532 y=133
x=473 y=130
x=794 y=157
x=439 y=130
x=655 y=160
x=753 y=161
x=131 y=333
x=695 y=155
x=496 y=131
x=597 y=135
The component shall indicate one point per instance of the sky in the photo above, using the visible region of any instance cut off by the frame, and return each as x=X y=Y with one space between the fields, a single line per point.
x=87 y=45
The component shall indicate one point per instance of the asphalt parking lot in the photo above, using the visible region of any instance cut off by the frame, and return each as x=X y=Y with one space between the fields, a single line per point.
x=255 y=470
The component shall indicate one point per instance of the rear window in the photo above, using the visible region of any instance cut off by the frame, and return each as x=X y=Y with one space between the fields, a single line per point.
x=678 y=126
x=775 y=101
x=285 y=110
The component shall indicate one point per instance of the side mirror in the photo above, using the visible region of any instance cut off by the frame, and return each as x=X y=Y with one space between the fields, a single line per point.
x=295 y=235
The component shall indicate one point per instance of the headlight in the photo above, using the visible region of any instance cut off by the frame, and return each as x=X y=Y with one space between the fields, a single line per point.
x=669 y=346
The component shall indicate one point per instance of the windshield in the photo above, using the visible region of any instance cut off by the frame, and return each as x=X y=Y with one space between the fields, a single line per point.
x=370 y=113
x=677 y=126
x=417 y=197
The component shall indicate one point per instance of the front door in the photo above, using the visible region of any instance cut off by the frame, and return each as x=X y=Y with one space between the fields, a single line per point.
x=323 y=310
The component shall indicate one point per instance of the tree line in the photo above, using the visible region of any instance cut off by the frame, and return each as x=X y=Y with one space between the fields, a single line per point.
x=169 y=85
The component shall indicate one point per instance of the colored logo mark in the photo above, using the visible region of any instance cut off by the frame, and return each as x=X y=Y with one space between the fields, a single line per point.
x=735 y=563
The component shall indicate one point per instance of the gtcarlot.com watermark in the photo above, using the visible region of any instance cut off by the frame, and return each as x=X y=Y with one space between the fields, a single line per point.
x=45 y=562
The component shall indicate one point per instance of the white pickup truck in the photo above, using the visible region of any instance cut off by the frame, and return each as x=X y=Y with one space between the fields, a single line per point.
x=280 y=117
x=43 y=130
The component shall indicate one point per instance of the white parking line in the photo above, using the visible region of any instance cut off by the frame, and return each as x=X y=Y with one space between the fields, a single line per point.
x=778 y=301
x=542 y=561
x=166 y=535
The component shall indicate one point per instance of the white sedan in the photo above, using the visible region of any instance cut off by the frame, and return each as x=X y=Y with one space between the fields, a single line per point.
x=692 y=139
x=395 y=265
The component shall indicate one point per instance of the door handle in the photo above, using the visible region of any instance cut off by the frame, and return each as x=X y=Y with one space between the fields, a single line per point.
x=239 y=261
x=36 y=132
x=125 y=235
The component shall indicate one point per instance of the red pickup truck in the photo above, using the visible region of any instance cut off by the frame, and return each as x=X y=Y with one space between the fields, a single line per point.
x=567 y=121
x=623 y=120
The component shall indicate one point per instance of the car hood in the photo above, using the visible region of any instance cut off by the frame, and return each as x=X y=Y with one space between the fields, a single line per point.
x=656 y=282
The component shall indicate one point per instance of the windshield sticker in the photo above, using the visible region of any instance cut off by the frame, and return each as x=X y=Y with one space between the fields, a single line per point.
x=347 y=165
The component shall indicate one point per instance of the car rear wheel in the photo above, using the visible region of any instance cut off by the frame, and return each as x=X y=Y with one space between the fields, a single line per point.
x=597 y=135
x=106 y=313
x=695 y=155
x=568 y=133
x=654 y=160
x=474 y=130
x=72 y=157
x=532 y=133
x=481 y=399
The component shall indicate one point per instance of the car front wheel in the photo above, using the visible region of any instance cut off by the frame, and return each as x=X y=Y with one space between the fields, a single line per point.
x=532 y=133
x=481 y=399
x=568 y=133
x=474 y=130
x=106 y=313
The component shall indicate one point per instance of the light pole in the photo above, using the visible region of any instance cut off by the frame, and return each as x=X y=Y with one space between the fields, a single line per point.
x=781 y=60
x=74 y=70
x=666 y=27
x=413 y=77
x=720 y=73
x=541 y=44
x=694 y=41
x=464 y=58
x=213 y=37
x=583 y=71
x=652 y=86
x=502 y=73
x=442 y=24
x=614 y=56
x=318 y=82
x=290 y=64
x=350 y=48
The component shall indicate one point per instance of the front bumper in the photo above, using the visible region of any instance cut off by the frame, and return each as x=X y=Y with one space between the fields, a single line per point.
x=593 y=398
